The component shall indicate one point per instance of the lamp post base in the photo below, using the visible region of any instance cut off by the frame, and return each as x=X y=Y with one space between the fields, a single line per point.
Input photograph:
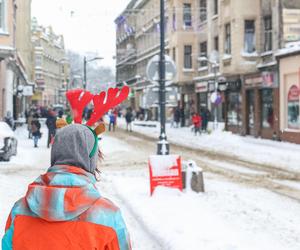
x=163 y=147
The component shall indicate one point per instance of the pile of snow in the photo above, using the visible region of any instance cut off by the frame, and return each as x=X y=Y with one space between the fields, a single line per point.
x=227 y=216
x=271 y=153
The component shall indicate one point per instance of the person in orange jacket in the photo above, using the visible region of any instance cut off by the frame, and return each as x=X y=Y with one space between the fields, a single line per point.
x=197 y=120
x=62 y=208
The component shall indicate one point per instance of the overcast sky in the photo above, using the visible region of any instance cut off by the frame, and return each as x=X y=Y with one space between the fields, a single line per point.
x=86 y=25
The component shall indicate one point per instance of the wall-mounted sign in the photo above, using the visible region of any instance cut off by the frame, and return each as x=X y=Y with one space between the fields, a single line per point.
x=201 y=87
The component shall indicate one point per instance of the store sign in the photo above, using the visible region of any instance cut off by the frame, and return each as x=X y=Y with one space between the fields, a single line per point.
x=291 y=24
x=28 y=91
x=253 y=81
x=165 y=170
x=201 y=87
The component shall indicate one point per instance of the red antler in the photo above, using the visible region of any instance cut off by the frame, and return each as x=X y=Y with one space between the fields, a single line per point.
x=102 y=105
x=78 y=99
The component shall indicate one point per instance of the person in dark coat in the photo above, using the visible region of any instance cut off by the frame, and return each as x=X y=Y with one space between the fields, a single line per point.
x=112 y=121
x=35 y=129
x=177 y=117
x=51 y=125
x=205 y=118
x=128 y=118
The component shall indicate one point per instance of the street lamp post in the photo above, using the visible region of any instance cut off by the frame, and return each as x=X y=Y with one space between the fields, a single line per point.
x=85 y=62
x=213 y=61
x=162 y=146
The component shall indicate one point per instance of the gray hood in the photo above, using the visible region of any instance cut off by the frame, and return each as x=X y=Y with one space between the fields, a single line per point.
x=72 y=146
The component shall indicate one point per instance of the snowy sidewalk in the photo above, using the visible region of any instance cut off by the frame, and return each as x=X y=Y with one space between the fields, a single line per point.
x=271 y=153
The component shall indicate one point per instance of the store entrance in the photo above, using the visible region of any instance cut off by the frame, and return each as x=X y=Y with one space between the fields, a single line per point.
x=250 y=112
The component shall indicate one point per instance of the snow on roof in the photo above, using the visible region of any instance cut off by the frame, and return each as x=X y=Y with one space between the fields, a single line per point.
x=290 y=48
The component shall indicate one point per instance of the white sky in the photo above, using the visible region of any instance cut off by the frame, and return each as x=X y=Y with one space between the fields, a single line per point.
x=86 y=25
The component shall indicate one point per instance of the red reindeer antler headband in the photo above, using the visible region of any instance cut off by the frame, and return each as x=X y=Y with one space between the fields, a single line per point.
x=103 y=102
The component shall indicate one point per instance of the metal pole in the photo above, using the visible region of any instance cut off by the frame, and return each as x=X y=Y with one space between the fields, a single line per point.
x=162 y=146
x=84 y=73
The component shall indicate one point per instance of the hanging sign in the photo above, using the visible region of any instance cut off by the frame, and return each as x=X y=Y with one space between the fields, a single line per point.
x=165 y=170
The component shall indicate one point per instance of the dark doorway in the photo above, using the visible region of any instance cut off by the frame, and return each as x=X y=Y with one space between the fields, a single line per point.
x=250 y=112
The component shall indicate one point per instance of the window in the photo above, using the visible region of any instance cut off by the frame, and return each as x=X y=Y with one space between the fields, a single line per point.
x=249 y=36
x=187 y=15
x=203 y=53
x=293 y=112
x=216 y=45
x=227 y=39
x=216 y=7
x=38 y=61
x=2 y=15
x=203 y=10
x=174 y=54
x=174 y=19
x=234 y=109
x=267 y=33
x=187 y=56
x=267 y=108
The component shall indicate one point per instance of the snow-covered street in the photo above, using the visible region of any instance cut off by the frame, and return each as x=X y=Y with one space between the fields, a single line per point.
x=230 y=215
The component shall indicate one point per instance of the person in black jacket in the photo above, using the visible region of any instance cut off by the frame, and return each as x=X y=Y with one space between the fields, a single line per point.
x=35 y=129
x=51 y=125
x=129 y=118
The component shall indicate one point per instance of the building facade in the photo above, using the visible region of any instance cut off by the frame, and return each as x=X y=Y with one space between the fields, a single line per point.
x=289 y=73
x=51 y=66
x=223 y=46
x=14 y=57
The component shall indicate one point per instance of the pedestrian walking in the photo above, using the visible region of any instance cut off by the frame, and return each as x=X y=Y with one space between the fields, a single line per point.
x=35 y=129
x=128 y=118
x=177 y=117
x=205 y=119
x=63 y=208
x=51 y=125
x=112 y=121
x=29 y=121
x=196 y=119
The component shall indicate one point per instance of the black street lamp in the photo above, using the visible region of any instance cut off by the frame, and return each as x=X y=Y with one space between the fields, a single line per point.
x=163 y=145
x=85 y=62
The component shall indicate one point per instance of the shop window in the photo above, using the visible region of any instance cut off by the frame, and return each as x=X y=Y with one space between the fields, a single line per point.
x=293 y=108
x=187 y=56
x=233 y=109
x=249 y=36
x=267 y=108
x=267 y=33
x=187 y=15
x=227 y=39
x=203 y=10
x=203 y=53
